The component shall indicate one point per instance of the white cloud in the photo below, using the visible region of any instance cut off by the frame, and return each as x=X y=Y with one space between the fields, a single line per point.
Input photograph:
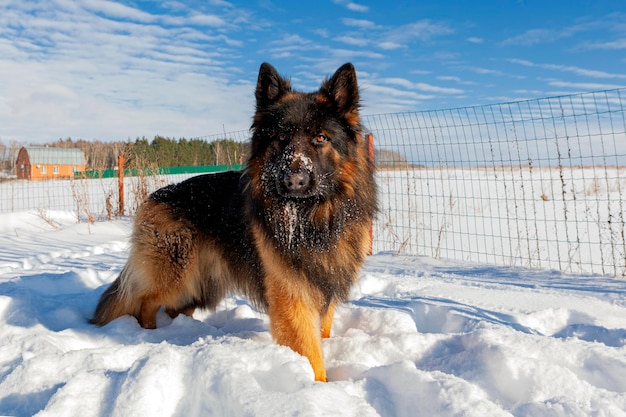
x=292 y=39
x=206 y=20
x=421 y=86
x=324 y=33
x=456 y=79
x=221 y=3
x=398 y=81
x=422 y=30
x=437 y=89
x=388 y=45
x=350 y=5
x=585 y=72
x=289 y=45
x=396 y=92
x=398 y=37
x=357 y=7
x=484 y=71
x=530 y=37
x=118 y=69
x=607 y=45
x=360 y=23
x=529 y=93
x=569 y=68
x=523 y=62
x=537 y=36
x=350 y=40
x=116 y=10
x=449 y=78
x=352 y=54
x=584 y=86
x=420 y=72
x=610 y=22
x=103 y=70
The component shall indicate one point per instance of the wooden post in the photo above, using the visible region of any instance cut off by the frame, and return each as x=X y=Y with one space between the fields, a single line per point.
x=120 y=176
x=370 y=150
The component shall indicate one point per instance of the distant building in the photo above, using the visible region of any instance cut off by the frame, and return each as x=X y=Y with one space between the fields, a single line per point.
x=39 y=163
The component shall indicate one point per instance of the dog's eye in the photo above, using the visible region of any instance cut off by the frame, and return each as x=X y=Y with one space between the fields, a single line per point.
x=320 y=138
x=282 y=136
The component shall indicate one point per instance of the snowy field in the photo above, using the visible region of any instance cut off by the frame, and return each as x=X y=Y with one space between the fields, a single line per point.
x=570 y=219
x=418 y=337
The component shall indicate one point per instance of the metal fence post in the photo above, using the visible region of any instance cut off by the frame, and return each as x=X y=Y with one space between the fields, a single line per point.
x=120 y=176
x=370 y=151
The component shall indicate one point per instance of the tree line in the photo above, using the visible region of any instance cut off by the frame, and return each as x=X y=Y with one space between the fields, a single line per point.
x=142 y=152
x=167 y=152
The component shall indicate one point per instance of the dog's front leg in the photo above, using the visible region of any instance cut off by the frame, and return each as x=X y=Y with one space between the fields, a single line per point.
x=327 y=320
x=295 y=319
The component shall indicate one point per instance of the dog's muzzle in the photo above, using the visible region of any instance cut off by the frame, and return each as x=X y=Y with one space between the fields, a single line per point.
x=297 y=182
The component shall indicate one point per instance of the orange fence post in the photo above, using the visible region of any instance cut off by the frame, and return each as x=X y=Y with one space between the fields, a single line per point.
x=120 y=176
x=370 y=150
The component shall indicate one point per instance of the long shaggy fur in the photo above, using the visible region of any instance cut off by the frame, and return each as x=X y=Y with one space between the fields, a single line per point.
x=290 y=232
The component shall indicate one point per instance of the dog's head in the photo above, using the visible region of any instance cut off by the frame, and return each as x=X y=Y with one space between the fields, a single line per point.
x=304 y=145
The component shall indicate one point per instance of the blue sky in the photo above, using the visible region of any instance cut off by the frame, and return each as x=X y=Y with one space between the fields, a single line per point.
x=114 y=70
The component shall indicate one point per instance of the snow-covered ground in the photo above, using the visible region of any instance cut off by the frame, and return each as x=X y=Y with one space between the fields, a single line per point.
x=418 y=338
x=569 y=218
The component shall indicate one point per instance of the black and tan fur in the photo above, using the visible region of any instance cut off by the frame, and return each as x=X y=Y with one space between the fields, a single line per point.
x=290 y=232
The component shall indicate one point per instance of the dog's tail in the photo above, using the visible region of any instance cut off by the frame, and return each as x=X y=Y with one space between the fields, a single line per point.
x=116 y=301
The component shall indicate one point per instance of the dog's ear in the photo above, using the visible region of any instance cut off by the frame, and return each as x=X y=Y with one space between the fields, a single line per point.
x=342 y=90
x=270 y=86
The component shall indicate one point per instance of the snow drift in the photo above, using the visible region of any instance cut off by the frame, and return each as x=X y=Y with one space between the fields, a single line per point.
x=419 y=337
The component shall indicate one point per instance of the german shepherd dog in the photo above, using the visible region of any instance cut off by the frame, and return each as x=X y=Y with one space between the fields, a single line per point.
x=290 y=232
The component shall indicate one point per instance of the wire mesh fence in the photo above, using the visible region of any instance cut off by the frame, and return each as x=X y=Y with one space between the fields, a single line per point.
x=535 y=183
x=97 y=197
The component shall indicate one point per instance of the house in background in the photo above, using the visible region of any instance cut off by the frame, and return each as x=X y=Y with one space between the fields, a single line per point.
x=39 y=163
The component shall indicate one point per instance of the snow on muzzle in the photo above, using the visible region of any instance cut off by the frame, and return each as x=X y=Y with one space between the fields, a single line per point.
x=297 y=176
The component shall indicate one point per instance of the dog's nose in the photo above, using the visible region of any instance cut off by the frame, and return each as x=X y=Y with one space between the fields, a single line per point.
x=296 y=180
